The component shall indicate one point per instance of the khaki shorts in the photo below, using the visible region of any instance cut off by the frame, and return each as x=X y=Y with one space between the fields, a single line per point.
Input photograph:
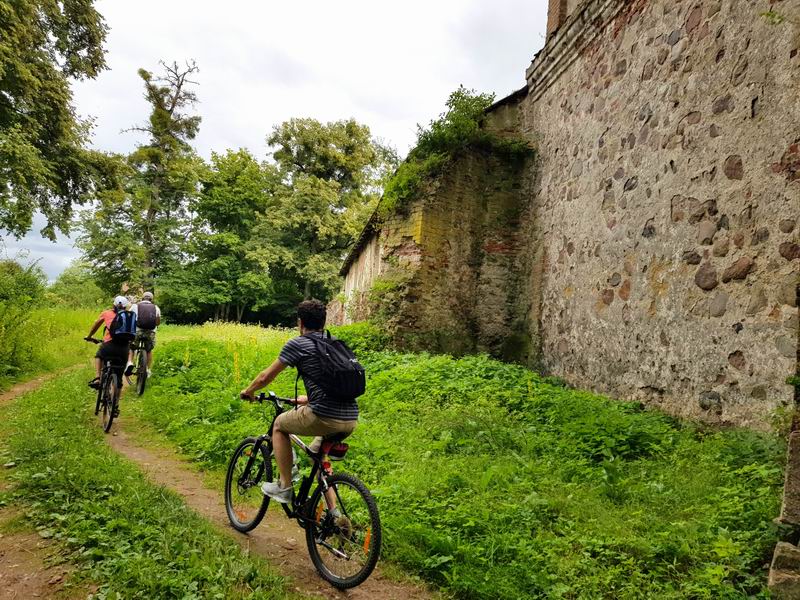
x=303 y=421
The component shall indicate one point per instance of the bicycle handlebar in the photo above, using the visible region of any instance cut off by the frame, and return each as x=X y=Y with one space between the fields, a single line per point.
x=271 y=397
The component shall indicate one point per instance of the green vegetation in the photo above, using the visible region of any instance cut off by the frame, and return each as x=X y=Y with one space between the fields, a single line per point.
x=133 y=538
x=36 y=336
x=44 y=164
x=457 y=129
x=75 y=287
x=233 y=238
x=496 y=483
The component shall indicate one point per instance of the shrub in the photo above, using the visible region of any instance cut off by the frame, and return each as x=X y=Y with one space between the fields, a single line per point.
x=362 y=337
x=457 y=129
x=21 y=291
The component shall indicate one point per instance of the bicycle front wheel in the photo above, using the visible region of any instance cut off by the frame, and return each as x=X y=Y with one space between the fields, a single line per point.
x=344 y=541
x=245 y=503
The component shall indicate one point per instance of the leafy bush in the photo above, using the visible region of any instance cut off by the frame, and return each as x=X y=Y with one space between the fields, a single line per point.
x=496 y=483
x=36 y=336
x=362 y=337
x=76 y=287
x=21 y=291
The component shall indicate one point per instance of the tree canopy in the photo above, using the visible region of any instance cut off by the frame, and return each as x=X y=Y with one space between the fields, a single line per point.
x=44 y=165
x=137 y=233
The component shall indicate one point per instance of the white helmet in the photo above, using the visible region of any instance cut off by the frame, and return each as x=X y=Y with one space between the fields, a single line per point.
x=121 y=302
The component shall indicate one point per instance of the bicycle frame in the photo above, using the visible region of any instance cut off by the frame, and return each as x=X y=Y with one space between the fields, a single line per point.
x=294 y=509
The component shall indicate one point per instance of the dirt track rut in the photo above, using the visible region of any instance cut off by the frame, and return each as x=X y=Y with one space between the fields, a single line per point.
x=280 y=541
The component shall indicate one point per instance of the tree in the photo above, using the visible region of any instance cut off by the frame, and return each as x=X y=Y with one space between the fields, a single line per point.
x=220 y=278
x=76 y=287
x=330 y=177
x=138 y=234
x=43 y=163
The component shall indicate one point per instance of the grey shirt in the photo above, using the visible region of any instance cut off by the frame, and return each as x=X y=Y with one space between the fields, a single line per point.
x=301 y=353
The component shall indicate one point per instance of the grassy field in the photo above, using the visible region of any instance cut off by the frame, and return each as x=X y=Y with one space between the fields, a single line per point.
x=135 y=540
x=50 y=340
x=496 y=483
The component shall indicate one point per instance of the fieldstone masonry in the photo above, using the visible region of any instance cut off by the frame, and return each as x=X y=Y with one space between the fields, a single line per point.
x=652 y=249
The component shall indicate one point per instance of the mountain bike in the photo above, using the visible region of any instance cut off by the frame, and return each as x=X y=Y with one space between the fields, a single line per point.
x=340 y=517
x=140 y=366
x=107 y=405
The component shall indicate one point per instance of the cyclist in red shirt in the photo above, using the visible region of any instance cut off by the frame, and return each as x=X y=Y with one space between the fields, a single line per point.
x=114 y=350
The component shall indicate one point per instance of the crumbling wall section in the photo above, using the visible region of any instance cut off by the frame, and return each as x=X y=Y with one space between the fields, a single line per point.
x=466 y=294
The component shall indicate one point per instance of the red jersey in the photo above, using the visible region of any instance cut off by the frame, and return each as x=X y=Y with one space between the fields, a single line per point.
x=108 y=318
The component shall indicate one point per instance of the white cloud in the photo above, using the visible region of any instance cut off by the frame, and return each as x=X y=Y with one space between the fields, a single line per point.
x=388 y=65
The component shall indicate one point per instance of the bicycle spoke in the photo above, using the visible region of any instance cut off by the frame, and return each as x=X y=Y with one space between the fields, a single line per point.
x=345 y=541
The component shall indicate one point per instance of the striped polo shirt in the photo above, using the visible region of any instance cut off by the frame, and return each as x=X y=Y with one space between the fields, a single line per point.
x=301 y=353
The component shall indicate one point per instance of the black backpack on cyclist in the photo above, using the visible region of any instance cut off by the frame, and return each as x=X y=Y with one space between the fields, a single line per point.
x=343 y=378
x=147 y=315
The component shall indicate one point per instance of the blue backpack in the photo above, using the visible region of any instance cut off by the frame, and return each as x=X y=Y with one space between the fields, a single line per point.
x=123 y=327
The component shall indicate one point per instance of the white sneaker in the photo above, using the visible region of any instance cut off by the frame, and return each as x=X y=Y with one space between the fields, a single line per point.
x=129 y=369
x=149 y=372
x=276 y=492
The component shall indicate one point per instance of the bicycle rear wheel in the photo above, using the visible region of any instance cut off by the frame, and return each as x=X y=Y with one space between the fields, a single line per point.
x=245 y=503
x=99 y=402
x=109 y=401
x=141 y=372
x=345 y=548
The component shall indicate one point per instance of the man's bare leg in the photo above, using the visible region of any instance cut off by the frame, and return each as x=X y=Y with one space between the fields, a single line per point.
x=282 y=447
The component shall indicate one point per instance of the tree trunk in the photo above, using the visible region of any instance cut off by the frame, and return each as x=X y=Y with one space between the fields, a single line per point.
x=239 y=312
x=307 y=292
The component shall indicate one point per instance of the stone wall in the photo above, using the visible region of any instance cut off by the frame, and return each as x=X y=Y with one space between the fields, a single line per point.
x=457 y=245
x=668 y=202
x=652 y=252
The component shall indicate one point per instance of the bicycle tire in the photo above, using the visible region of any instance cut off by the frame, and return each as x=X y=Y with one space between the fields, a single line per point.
x=109 y=396
x=99 y=397
x=141 y=372
x=375 y=533
x=236 y=522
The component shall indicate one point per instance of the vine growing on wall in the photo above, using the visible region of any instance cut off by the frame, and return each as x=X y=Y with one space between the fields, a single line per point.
x=456 y=130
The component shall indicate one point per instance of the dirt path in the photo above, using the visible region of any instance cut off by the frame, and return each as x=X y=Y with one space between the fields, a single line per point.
x=32 y=384
x=30 y=566
x=277 y=539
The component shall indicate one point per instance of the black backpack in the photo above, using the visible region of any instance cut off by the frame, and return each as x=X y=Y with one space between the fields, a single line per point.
x=147 y=315
x=343 y=378
x=123 y=327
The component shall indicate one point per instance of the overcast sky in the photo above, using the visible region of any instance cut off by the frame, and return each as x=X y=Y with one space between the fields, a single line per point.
x=388 y=65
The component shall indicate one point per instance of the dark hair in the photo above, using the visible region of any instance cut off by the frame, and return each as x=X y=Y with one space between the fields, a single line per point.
x=312 y=314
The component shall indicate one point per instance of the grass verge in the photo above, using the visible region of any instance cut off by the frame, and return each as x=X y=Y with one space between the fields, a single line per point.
x=135 y=540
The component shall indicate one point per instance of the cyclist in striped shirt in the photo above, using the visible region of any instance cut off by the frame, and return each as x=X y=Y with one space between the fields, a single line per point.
x=317 y=415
